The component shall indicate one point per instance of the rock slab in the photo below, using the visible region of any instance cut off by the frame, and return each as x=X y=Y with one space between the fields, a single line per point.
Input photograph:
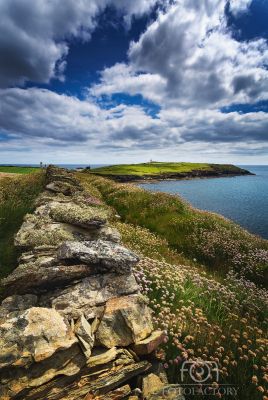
x=33 y=335
x=124 y=321
x=147 y=345
x=112 y=257
x=89 y=296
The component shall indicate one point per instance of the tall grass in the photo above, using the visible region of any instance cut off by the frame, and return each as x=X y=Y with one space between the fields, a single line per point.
x=207 y=320
x=224 y=323
x=200 y=237
x=17 y=196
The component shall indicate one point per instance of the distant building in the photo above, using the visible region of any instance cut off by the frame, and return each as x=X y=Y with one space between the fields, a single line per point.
x=151 y=161
x=79 y=169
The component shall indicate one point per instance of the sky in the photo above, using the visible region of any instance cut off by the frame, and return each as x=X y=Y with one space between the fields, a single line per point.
x=126 y=81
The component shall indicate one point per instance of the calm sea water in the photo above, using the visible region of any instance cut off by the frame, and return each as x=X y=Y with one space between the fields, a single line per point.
x=68 y=166
x=243 y=199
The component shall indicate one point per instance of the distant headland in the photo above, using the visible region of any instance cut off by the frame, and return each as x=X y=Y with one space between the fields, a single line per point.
x=157 y=171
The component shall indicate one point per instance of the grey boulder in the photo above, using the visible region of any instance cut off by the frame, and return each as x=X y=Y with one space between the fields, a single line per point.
x=113 y=257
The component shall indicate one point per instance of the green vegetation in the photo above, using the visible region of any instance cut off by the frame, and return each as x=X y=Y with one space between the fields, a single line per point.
x=17 y=196
x=192 y=270
x=19 y=170
x=200 y=237
x=161 y=168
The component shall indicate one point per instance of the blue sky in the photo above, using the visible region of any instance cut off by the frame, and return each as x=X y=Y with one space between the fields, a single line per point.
x=115 y=81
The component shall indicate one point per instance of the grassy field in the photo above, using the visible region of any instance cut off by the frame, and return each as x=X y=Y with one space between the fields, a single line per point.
x=19 y=170
x=17 y=196
x=205 y=278
x=160 y=168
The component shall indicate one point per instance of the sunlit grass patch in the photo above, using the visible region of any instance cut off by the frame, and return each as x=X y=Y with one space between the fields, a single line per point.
x=161 y=168
x=19 y=170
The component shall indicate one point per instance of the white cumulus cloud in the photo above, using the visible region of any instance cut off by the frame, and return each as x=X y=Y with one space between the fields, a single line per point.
x=189 y=58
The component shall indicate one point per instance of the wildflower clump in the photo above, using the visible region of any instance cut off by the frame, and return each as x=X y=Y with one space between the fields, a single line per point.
x=208 y=321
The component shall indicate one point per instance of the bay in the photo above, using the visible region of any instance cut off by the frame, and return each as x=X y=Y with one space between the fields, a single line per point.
x=243 y=199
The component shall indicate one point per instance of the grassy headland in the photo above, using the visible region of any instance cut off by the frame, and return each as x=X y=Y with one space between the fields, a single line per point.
x=204 y=276
x=149 y=171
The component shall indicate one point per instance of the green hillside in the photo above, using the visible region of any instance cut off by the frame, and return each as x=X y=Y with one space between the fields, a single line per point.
x=162 y=168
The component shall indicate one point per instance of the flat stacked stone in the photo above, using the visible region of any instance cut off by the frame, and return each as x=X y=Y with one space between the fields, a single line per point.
x=72 y=320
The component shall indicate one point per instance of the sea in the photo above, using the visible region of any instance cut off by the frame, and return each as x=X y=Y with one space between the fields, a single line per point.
x=68 y=166
x=243 y=199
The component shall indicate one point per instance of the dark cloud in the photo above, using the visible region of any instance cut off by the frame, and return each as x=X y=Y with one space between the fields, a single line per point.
x=215 y=127
x=243 y=82
x=33 y=34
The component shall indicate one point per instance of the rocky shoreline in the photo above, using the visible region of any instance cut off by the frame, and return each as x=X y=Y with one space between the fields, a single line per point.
x=199 y=174
x=73 y=323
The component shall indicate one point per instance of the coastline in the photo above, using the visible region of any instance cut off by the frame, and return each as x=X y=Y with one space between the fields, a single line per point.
x=138 y=179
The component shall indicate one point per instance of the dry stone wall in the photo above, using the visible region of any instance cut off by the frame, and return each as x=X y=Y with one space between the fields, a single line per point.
x=73 y=324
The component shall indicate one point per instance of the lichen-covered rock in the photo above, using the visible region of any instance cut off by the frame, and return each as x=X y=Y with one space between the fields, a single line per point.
x=32 y=335
x=36 y=266
x=88 y=227
x=58 y=232
x=17 y=303
x=47 y=196
x=86 y=217
x=63 y=187
x=31 y=278
x=19 y=381
x=113 y=257
x=108 y=234
x=55 y=173
x=26 y=258
x=125 y=321
x=38 y=220
x=31 y=236
x=89 y=296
